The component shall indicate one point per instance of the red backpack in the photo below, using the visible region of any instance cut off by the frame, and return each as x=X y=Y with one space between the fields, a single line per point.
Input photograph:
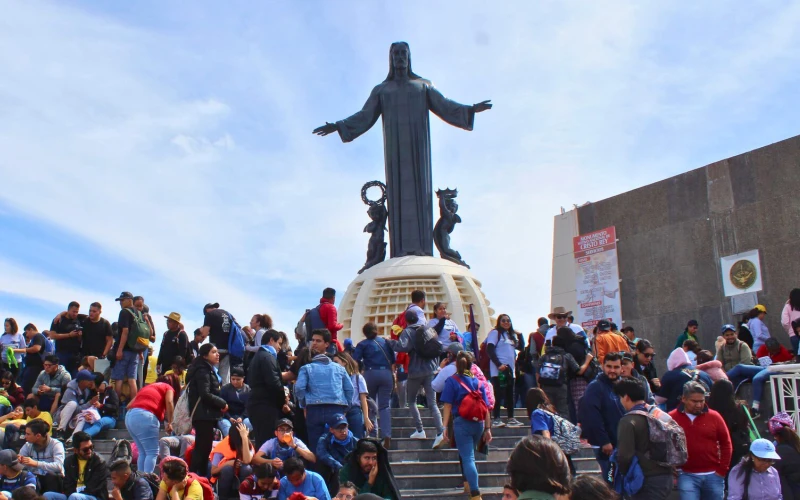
x=472 y=407
x=483 y=358
x=208 y=490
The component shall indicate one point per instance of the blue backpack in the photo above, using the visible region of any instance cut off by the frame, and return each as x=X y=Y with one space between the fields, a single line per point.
x=236 y=340
x=49 y=346
x=629 y=484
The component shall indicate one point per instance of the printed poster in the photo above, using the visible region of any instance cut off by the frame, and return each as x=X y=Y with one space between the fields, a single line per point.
x=597 y=278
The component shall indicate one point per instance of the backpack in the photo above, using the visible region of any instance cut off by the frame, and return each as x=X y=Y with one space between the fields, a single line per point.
x=208 y=490
x=566 y=434
x=483 y=358
x=472 y=407
x=667 y=440
x=236 y=341
x=182 y=417
x=153 y=481
x=313 y=321
x=631 y=483
x=122 y=451
x=138 y=332
x=426 y=343
x=694 y=376
x=552 y=369
x=49 y=346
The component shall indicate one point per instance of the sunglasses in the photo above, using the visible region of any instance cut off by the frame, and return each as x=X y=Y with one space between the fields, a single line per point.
x=649 y=356
x=505 y=320
x=87 y=448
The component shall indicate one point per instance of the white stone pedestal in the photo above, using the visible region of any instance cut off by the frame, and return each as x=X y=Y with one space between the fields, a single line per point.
x=382 y=292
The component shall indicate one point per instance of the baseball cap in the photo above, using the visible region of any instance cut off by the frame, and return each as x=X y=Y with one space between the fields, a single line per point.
x=337 y=420
x=123 y=296
x=284 y=421
x=348 y=342
x=9 y=459
x=454 y=348
x=84 y=375
x=763 y=448
x=603 y=325
x=728 y=327
x=760 y=308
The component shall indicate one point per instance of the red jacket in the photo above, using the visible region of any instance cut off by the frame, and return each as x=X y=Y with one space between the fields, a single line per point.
x=783 y=354
x=707 y=441
x=327 y=313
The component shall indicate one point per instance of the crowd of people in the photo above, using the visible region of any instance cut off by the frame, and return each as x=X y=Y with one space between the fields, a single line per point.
x=247 y=416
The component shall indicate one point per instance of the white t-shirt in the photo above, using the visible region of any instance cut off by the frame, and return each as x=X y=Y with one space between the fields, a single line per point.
x=506 y=350
x=360 y=386
x=553 y=329
x=449 y=327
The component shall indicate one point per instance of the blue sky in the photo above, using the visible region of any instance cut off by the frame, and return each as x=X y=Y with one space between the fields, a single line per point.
x=165 y=147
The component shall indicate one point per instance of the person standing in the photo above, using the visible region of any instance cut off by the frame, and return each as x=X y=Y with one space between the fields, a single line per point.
x=127 y=364
x=708 y=444
x=782 y=428
x=600 y=411
x=97 y=338
x=469 y=430
x=358 y=414
x=174 y=343
x=420 y=374
x=633 y=440
x=217 y=328
x=444 y=327
x=723 y=400
x=328 y=316
x=34 y=356
x=755 y=323
x=66 y=330
x=501 y=345
x=790 y=314
x=12 y=338
x=376 y=358
x=755 y=478
x=606 y=341
x=557 y=368
x=645 y=354
x=418 y=301
x=689 y=333
x=562 y=317
x=267 y=397
x=323 y=387
x=206 y=403
x=154 y=404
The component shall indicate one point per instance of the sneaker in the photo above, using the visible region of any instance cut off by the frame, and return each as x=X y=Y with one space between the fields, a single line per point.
x=439 y=442
x=498 y=423
x=514 y=423
x=419 y=435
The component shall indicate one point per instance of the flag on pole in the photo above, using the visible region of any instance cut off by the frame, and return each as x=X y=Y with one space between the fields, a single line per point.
x=473 y=329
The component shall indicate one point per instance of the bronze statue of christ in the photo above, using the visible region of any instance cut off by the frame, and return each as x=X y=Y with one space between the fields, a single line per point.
x=403 y=100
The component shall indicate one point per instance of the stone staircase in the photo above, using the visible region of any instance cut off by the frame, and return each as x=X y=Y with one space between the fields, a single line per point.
x=422 y=472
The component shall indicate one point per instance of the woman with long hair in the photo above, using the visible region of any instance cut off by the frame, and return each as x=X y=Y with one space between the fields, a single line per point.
x=722 y=400
x=10 y=389
x=790 y=313
x=539 y=408
x=756 y=325
x=358 y=412
x=377 y=360
x=645 y=355
x=538 y=468
x=12 y=338
x=230 y=461
x=205 y=403
x=754 y=478
x=469 y=431
x=501 y=345
x=782 y=428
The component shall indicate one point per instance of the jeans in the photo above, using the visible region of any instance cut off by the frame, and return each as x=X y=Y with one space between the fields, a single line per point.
x=468 y=435
x=603 y=461
x=54 y=495
x=655 y=488
x=412 y=388
x=317 y=417
x=225 y=369
x=700 y=487
x=795 y=340
x=143 y=427
x=95 y=428
x=355 y=421
x=380 y=384
x=228 y=482
x=69 y=360
x=225 y=425
x=504 y=394
x=759 y=375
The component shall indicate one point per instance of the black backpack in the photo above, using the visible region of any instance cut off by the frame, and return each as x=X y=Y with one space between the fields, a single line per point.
x=426 y=343
x=552 y=369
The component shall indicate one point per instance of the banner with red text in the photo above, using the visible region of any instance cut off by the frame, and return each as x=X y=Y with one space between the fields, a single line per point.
x=597 y=278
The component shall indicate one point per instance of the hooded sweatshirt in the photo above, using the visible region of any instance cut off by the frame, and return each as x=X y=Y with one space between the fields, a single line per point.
x=59 y=379
x=787 y=316
x=385 y=485
x=680 y=372
x=713 y=369
x=600 y=412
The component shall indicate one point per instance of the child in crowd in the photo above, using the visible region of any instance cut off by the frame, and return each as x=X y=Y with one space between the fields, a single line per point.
x=510 y=493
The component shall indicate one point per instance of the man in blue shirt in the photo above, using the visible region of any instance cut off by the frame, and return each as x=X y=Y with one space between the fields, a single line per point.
x=298 y=479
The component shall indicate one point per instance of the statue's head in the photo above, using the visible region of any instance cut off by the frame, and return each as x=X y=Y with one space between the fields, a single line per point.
x=451 y=204
x=400 y=60
x=377 y=212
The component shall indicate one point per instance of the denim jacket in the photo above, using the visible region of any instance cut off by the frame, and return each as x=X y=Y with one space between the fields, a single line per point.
x=374 y=353
x=323 y=382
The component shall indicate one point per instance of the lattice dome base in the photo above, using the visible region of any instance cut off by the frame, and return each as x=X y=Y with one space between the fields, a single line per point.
x=382 y=292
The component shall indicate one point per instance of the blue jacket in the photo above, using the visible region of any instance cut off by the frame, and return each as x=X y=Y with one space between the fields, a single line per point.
x=374 y=353
x=332 y=453
x=323 y=382
x=600 y=412
x=672 y=384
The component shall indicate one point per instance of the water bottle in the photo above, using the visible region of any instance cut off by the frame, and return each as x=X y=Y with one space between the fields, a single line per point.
x=503 y=379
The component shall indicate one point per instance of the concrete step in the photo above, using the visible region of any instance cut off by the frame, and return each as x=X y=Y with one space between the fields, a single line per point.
x=422 y=444
x=401 y=432
x=436 y=493
x=428 y=421
x=451 y=467
x=409 y=485
x=405 y=412
x=451 y=454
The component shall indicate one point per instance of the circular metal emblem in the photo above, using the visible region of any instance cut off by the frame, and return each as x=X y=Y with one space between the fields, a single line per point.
x=371 y=184
x=743 y=274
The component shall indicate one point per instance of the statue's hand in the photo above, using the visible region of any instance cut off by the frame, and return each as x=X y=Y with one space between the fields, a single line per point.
x=482 y=106
x=330 y=128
